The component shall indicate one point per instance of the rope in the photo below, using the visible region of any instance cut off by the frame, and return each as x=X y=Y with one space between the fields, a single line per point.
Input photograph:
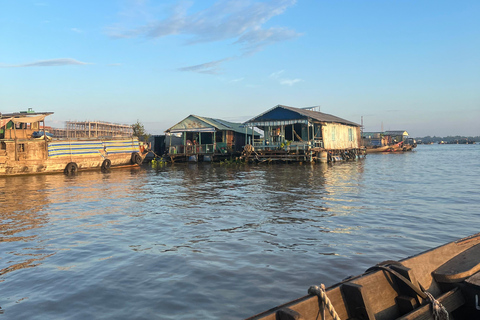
x=438 y=310
x=322 y=295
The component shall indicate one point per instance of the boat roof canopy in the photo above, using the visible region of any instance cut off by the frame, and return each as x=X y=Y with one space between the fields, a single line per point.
x=29 y=119
x=24 y=114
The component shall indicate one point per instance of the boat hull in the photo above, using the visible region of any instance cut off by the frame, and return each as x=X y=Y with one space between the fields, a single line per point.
x=23 y=157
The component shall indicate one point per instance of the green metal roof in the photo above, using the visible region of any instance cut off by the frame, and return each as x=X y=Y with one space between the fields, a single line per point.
x=194 y=123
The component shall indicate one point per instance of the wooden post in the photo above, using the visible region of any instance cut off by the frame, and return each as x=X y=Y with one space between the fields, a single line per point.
x=246 y=135
x=45 y=137
x=15 y=134
x=253 y=136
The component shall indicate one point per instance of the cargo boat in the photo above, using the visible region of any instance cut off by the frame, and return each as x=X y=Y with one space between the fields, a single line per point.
x=442 y=283
x=26 y=148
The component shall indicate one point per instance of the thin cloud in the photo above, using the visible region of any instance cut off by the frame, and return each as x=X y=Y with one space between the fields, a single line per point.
x=276 y=75
x=283 y=81
x=237 y=20
x=76 y=30
x=289 y=82
x=255 y=40
x=212 y=67
x=48 y=63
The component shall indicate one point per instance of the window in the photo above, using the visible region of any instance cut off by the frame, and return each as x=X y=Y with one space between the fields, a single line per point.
x=350 y=134
x=333 y=133
x=21 y=147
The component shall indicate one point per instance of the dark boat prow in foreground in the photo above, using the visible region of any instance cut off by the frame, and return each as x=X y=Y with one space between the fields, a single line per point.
x=442 y=283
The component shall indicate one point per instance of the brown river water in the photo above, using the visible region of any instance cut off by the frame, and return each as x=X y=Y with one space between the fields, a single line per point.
x=215 y=241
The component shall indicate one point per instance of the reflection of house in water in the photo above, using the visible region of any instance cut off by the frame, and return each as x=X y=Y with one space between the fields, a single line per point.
x=293 y=134
x=206 y=139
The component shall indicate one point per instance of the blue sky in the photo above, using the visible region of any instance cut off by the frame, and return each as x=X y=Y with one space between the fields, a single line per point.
x=403 y=64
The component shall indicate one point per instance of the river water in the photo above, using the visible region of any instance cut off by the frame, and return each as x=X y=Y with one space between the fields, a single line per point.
x=215 y=241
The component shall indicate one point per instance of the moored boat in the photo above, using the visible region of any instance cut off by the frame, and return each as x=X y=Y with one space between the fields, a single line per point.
x=437 y=284
x=26 y=148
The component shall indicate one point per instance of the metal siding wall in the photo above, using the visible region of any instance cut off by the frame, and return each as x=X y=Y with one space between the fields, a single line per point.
x=341 y=137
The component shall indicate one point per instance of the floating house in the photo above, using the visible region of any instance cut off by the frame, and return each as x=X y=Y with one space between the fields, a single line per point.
x=294 y=134
x=206 y=139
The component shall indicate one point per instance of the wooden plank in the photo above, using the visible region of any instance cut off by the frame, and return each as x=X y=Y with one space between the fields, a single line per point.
x=451 y=300
x=288 y=314
x=356 y=303
x=460 y=267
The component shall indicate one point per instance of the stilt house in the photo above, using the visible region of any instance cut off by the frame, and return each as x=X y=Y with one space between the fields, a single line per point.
x=206 y=139
x=295 y=134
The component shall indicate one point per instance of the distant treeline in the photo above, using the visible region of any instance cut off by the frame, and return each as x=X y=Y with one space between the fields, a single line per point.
x=449 y=139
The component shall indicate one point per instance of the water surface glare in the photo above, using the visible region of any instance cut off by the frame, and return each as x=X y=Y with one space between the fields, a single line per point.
x=217 y=241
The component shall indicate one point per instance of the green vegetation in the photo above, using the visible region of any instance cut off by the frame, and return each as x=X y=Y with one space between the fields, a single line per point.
x=139 y=132
x=158 y=163
x=449 y=139
x=232 y=161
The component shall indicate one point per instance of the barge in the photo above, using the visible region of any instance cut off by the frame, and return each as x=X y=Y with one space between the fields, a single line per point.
x=27 y=148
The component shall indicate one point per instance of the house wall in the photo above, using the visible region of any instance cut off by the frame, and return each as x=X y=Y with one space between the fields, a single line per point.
x=339 y=136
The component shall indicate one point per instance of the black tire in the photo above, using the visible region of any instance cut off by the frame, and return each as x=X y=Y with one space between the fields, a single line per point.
x=106 y=164
x=71 y=168
x=136 y=158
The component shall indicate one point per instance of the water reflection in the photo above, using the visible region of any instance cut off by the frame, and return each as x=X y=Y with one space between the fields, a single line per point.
x=39 y=212
x=206 y=238
x=21 y=201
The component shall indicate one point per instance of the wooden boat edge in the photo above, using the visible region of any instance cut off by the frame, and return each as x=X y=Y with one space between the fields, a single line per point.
x=309 y=305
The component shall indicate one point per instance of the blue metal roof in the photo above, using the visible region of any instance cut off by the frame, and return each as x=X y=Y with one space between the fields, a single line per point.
x=294 y=115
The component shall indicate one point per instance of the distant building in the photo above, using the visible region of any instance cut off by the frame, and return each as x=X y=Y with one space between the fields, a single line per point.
x=95 y=129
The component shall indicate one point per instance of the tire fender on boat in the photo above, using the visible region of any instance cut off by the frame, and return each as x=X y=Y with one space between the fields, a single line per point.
x=136 y=158
x=106 y=164
x=71 y=168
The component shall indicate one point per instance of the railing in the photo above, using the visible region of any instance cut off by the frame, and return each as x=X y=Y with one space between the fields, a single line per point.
x=192 y=149
x=297 y=145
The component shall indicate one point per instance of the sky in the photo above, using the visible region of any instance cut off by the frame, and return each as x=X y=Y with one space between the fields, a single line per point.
x=394 y=64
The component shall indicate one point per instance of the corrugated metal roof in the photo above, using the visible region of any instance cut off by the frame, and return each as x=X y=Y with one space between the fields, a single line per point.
x=302 y=114
x=204 y=123
x=396 y=133
x=23 y=114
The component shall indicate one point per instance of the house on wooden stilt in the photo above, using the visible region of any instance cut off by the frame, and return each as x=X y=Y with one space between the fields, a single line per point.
x=294 y=134
x=206 y=139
